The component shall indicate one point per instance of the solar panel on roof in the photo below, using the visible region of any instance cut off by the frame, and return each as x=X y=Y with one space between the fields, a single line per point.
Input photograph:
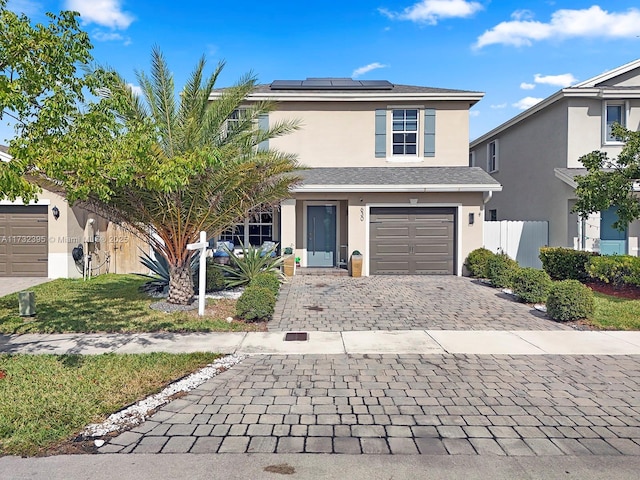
x=331 y=84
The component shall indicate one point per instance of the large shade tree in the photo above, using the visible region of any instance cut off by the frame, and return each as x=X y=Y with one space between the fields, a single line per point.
x=612 y=182
x=164 y=164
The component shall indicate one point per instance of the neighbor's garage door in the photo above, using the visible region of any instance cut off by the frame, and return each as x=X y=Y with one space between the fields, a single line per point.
x=23 y=241
x=412 y=241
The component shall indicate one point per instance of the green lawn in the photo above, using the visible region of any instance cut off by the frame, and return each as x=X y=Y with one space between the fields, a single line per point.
x=46 y=399
x=109 y=303
x=614 y=313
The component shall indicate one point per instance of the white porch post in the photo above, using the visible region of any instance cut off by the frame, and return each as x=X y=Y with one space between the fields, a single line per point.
x=288 y=224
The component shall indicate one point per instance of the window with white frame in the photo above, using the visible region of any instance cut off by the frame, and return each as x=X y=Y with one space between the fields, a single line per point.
x=614 y=112
x=492 y=156
x=255 y=230
x=405 y=131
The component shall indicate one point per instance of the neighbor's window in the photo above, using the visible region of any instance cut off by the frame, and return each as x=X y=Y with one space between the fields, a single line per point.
x=493 y=215
x=405 y=132
x=614 y=113
x=472 y=159
x=492 y=157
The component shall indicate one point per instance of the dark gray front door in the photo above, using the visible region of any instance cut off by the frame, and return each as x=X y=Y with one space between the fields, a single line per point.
x=321 y=236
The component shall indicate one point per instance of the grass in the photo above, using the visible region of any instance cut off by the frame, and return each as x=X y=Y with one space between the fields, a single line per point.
x=46 y=399
x=110 y=303
x=613 y=313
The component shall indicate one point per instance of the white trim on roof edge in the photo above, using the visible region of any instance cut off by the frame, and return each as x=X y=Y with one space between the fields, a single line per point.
x=398 y=188
x=359 y=97
x=609 y=74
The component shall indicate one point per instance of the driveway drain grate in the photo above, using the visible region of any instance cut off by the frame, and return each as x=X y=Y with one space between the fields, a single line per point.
x=296 y=337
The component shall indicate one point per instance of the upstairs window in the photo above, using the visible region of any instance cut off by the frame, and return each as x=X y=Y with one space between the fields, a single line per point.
x=405 y=132
x=492 y=156
x=614 y=113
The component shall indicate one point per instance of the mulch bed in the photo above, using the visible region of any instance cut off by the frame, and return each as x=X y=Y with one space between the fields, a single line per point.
x=626 y=291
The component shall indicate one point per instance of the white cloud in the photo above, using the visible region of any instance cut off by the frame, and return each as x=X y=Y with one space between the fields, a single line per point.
x=527 y=86
x=499 y=106
x=367 y=68
x=107 y=13
x=101 y=36
x=564 y=80
x=474 y=113
x=136 y=89
x=592 y=22
x=430 y=11
x=527 y=102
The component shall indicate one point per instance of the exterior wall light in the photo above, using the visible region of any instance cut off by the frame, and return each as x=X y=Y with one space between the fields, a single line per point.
x=56 y=212
x=471 y=218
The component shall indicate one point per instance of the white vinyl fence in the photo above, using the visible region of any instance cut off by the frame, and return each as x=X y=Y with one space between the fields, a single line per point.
x=520 y=240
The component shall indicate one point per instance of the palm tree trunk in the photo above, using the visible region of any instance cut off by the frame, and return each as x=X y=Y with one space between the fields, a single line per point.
x=180 y=285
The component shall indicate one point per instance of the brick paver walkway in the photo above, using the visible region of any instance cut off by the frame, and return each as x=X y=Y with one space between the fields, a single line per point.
x=409 y=404
x=335 y=304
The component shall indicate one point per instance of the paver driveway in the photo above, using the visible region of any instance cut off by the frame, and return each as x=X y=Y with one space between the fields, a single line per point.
x=408 y=404
x=335 y=304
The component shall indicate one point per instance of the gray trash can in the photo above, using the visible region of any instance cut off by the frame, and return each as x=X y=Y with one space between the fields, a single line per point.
x=27 y=303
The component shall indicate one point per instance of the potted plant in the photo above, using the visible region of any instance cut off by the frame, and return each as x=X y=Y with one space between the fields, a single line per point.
x=356 y=264
x=289 y=262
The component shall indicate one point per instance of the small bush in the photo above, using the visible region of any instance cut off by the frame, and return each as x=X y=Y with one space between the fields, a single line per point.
x=531 y=285
x=565 y=263
x=476 y=262
x=615 y=269
x=243 y=268
x=500 y=270
x=570 y=300
x=215 y=277
x=266 y=280
x=256 y=303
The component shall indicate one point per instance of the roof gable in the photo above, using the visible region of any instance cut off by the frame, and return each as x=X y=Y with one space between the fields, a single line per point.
x=627 y=75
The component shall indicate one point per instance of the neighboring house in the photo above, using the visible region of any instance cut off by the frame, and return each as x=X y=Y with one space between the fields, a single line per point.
x=388 y=176
x=535 y=156
x=37 y=240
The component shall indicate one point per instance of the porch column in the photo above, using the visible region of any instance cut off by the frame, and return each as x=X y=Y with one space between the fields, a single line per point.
x=357 y=234
x=288 y=224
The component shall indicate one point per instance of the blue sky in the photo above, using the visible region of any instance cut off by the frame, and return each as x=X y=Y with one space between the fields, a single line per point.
x=515 y=52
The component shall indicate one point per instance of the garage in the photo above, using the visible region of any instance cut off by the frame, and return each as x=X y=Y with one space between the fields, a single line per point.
x=23 y=241
x=412 y=240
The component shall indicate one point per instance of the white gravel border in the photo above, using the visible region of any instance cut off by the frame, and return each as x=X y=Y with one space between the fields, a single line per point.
x=139 y=412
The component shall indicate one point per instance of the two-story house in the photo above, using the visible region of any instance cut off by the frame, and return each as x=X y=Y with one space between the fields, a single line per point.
x=535 y=156
x=388 y=176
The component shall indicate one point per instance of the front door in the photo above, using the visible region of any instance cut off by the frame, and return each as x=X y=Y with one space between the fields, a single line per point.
x=612 y=240
x=321 y=236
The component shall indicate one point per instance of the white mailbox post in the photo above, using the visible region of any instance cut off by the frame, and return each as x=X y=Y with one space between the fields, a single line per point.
x=202 y=274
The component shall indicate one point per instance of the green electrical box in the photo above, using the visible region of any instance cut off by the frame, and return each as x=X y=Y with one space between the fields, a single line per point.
x=27 y=303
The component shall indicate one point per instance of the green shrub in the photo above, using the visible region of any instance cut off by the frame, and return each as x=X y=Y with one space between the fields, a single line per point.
x=500 y=270
x=476 y=262
x=244 y=267
x=565 y=263
x=215 y=277
x=570 y=300
x=531 y=285
x=256 y=303
x=615 y=269
x=266 y=280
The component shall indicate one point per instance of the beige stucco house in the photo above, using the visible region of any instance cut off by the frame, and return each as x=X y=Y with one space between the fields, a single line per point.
x=388 y=176
x=535 y=156
x=38 y=239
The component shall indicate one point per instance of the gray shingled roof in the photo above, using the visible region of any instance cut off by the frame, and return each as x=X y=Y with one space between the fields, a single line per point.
x=397 y=176
x=4 y=149
x=266 y=88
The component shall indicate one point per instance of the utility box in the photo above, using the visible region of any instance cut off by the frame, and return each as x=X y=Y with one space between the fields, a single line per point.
x=27 y=303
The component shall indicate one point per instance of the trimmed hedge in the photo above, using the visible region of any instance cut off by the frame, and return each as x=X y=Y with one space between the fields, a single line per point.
x=500 y=270
x=266 y=280
x=570 y=300
x=531 y=285
x=476 y=262
x=615 y=269
x=565 y=263
x=256 y=303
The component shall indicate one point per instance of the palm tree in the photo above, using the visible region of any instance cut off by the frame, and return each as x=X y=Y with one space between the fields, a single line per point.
x=169 y=166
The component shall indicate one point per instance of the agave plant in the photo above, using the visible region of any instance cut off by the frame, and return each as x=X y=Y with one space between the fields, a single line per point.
x=251 y=262
x=159 y=265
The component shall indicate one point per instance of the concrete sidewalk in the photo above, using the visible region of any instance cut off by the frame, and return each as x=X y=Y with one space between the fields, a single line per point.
x=361 y=342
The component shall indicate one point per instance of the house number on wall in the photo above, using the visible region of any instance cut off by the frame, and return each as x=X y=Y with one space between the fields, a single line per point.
x=362 y=214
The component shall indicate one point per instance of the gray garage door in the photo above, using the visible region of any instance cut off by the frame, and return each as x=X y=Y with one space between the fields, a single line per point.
x=412 y=241
x=23 y=241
